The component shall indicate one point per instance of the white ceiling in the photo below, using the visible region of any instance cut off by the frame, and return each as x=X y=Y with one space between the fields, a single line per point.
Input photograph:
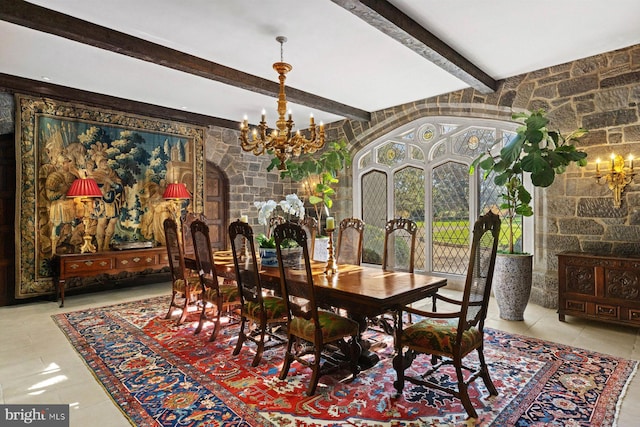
x=334 y=53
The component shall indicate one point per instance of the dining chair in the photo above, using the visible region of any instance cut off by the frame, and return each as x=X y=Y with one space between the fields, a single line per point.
x=258 y=312
x=309 y=328
x=349 y=248
x=310 y=226
x=182 y=283
x=448 y=337
x=397 y=254
x=273 y=222
x=187 y=242
x=399 y=244
x=221 y=296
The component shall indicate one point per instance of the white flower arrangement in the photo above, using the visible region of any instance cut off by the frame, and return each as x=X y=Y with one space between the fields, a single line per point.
x=291 y=205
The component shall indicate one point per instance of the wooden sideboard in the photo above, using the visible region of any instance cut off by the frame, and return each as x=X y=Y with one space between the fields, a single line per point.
x=599 y=287
x=108 y=265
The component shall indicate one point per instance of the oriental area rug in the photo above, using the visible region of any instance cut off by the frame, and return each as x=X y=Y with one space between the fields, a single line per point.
x=160 y=374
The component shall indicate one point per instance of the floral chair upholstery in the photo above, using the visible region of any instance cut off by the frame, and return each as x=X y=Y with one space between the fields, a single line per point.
x=222 y=297
x=258 y=310
x=309 y=328
x=448 y=337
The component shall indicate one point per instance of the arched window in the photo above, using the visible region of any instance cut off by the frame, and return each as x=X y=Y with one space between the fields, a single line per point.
x=421 y=171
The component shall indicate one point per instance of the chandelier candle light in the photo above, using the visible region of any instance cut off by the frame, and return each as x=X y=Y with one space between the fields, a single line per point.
x=282 y=141
x=617 y=178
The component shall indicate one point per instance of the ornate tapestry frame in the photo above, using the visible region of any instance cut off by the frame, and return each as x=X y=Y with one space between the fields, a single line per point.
x=33 y=268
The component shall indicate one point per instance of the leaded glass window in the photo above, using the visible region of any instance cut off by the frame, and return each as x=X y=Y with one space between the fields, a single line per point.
x=421 y=171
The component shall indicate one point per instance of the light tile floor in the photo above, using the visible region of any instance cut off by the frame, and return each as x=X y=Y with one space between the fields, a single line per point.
x=38 y=364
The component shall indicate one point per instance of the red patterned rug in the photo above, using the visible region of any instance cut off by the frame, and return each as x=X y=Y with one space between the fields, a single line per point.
x=163 y=375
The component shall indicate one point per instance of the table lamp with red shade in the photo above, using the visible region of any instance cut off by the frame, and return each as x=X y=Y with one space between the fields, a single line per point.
x=85 y=189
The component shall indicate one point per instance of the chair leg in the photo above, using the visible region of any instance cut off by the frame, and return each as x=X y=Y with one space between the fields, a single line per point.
x=216 y=325
x=288 y=357
x=203 y=317
x=171 y=305
x=463 y=393
x=260 y=349
x=183 y=315
x=315 y=375
x=398 y=365
x=241 y=337
x=484 y=374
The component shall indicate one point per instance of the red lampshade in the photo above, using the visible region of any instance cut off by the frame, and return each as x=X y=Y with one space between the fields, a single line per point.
x=84 y=187
x=176 y=191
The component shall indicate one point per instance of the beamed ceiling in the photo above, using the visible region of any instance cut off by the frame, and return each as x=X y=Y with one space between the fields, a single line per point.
x=210 y=61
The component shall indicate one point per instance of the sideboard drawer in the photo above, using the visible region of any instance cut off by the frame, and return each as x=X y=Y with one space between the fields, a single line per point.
x=92 y=264
x=138 y=261
x=579 y=306
x=607 y=311
x=599 y=287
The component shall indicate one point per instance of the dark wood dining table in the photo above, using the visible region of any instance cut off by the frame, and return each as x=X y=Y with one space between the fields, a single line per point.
x=363 y=291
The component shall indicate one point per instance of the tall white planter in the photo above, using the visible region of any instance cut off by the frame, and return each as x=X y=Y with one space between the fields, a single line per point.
x=512 y=279
x=320 y=249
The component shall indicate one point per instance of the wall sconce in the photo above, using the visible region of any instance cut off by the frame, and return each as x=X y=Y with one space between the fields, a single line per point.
x=85 y=189
x=617 y=177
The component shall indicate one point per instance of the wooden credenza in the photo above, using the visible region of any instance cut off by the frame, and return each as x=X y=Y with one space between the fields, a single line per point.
x=109 y=265
x=599 y=287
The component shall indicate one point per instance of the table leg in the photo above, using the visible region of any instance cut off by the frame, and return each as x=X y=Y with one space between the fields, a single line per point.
x=60 y=292
x=368 y=359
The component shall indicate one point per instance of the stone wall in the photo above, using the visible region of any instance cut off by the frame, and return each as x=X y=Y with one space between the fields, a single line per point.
x=600 y=93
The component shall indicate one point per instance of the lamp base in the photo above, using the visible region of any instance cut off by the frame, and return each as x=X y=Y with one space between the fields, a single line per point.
x=87 y=246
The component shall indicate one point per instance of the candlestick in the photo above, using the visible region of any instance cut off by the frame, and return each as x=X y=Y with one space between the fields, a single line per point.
x=631 y=162
x=331 y=262
x=331 y=223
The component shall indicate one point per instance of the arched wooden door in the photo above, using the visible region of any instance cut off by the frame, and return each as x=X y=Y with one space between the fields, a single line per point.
x=216 y=205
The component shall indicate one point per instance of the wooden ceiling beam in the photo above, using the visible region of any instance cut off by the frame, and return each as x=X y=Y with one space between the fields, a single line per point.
x=46 y=20
x=38 y=88
x=390 y=20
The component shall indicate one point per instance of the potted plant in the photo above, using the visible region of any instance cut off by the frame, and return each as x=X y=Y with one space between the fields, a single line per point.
x=544 y=154
x=318 y=176
x=292 y=206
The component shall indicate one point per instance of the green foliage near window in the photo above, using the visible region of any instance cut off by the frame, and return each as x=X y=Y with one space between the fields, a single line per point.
x=409 y=192
x=534 y=149
x=318 y=175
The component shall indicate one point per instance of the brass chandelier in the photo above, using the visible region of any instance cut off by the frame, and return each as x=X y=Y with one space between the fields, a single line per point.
x=282 y=142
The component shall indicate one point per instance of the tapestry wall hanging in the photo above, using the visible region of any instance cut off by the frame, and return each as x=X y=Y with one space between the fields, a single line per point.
x=132 y=158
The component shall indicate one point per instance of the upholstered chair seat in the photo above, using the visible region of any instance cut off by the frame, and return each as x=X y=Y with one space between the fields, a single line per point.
x=438 y=336
x=333 y=327
x=274 y=308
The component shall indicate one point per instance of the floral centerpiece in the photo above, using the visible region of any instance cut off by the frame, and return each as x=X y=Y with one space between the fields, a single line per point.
x=293 y=207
